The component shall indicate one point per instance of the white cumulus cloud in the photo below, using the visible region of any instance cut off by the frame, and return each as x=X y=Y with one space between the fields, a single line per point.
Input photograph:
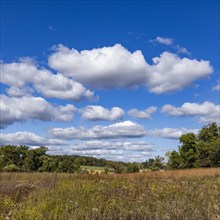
x=171 y=73
x=115 y=67
x=113 y=150
x=171 y=133
x=145 y=114
x=27 y=138
x=126 y=129
x=19 y=92
x=106 y=67
x=14 y=109
x=207 y=112
x=18 y=75
x=112 y=145
x=96 y=113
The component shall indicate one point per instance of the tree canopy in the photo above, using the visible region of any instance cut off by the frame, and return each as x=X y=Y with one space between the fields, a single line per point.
x=201 y=150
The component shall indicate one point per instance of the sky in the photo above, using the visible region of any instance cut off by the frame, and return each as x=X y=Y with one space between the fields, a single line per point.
x=120 y=80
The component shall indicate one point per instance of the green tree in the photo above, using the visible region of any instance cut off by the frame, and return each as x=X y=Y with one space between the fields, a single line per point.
x=175 y=161
x=67 y=166
x=148 y=163
x=132 y=168
x=49 y=164
x=188 y=150
x=202 y=150
x=209 y=132
x=32 y=161
x=208 y=145
x=158 y=163
x=117 y=167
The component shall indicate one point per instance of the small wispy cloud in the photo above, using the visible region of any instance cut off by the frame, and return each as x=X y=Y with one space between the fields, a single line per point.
x=170 y=42
x=145 y=114
x=216 y=88
x=181 y=50
x=136 y=35
x=163 y=40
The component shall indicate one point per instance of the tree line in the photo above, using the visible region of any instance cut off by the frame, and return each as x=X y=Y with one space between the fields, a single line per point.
x=201 y=150
x=26 y=159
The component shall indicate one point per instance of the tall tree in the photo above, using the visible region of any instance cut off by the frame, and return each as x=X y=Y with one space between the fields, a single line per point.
x=202 y=150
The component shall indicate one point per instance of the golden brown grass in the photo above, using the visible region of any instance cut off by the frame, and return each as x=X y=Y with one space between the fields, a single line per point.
x=183 y=194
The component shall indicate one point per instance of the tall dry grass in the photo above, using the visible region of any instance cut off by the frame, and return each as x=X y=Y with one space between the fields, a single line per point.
x=183 y=194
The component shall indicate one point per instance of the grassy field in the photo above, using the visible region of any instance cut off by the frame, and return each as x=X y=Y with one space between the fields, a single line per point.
x=93 y=169
x=175 y=195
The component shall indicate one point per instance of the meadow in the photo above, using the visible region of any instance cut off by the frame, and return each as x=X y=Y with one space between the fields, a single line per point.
x=183 y=194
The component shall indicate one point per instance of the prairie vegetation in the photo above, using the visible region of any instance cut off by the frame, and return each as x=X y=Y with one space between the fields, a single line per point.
x=181 y=194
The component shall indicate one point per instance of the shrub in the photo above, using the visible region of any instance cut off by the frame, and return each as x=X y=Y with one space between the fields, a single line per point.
x=132 y=168
x=11 y=168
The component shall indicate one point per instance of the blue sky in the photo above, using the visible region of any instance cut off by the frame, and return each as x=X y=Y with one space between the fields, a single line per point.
x=118 y=80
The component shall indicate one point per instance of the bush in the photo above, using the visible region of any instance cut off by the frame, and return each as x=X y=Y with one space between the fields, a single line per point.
x=11 y=168
x=132 y=168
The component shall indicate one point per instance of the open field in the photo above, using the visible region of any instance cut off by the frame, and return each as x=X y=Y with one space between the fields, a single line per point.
x=184 y=194
x=93 y=169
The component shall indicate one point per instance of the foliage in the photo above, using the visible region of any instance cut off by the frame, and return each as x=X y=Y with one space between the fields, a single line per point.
x=67 y=166
x=154 y=164
x=202 y=150
x=28 y=159
x=22 y=158
x=133 y=168
x=11 y=168
x=118 y=167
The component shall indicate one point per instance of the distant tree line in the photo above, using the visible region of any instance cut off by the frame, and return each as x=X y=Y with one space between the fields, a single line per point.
x=201 y=150
x=26 y=159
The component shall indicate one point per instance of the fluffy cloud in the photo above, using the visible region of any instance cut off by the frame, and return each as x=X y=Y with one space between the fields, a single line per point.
x=58 y=86
x=27 y=138
x=112 y=145
x=146 y=114
x=19 y=92
x=113 y=150
x=207 y=112
x=126 y=129
x=171 y=73
x=113 y=67
x=15 y=109
x=170 y=133
x=106 y=67
x=163 y=40
x=18 y=75
x=96 y=113
x=109 y=154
